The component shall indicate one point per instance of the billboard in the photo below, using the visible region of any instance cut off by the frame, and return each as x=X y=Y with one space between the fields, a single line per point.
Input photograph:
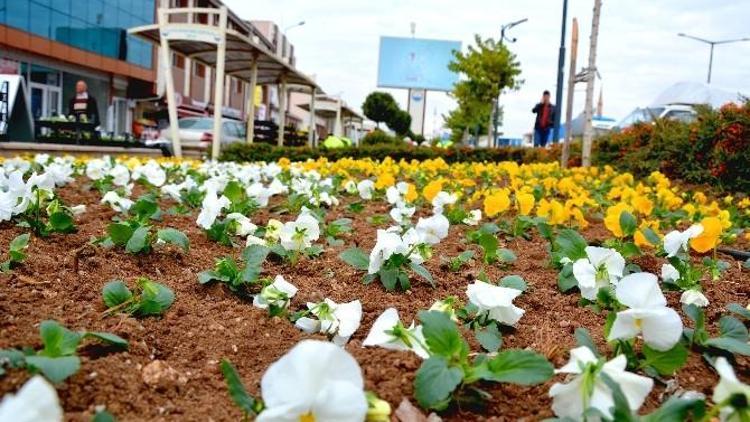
x=416 y=63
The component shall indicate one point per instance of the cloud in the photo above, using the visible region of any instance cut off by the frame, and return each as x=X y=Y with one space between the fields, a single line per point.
x=639 y=54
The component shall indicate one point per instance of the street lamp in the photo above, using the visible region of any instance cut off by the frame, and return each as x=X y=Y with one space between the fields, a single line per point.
x=495 y=114
x=712 y=44
x=300 y=23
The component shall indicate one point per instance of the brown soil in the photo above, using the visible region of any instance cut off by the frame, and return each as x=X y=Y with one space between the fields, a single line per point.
x=63 y=277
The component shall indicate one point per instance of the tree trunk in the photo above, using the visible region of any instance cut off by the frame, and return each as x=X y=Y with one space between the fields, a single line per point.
x=571 y=89
x=588 y=132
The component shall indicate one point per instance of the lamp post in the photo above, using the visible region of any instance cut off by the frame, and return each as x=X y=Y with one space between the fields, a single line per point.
x=300 y=23
x=494 y=114
x=712 y=44
x=560 y=65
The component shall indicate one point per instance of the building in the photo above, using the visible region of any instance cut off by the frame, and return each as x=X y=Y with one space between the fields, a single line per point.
x=55 y=43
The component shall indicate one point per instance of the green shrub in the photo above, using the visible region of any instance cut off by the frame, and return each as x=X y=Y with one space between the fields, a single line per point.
x=714 y=149
x=242 y=152
x=378 y=137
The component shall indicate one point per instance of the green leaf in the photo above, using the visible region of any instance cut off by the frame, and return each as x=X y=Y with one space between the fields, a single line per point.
x=677 y=410
x=58 y=340
x=506 y=255
x=628 y=223
x=650 y=235
x=209 y=276
x=738 y=309
x=155 y=298
x=61 y=222
x=747 y=263
x=108 y=338
x=434 y=383
x=174 y=237
x=441 y=334
x=116 y=292
x=422 y=272
x=12 y=358
x=389 y=277
x=566 y=280
x=488 y=243
x=571 y=244
x=237 y=391
x=103 y=416
x=729 y=344
x=514 y=282
x=621 y=411
x=144 y=209
x=55 y=369
x=356 y=257
x=120 y=233
x=583 y=338
x=733 y=328
x=234 y=192
x=629 y=249
x=521 y=367
x=490 y=338
x=138 y=240
x=254 y=256
x=19 y=243
x=665 y=363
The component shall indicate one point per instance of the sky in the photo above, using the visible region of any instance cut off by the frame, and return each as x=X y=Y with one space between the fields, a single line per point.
x=639 y=53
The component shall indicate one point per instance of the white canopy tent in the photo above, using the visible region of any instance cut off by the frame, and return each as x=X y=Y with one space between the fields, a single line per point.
x=228 y=50
x=693 y=93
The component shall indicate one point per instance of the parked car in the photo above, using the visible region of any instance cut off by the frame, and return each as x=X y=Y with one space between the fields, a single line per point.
x=197 y=132
x=681 y=112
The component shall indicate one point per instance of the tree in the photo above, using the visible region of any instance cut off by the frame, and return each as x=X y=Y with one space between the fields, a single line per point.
x=400 y=122
x=380 y=107
x=489 y=67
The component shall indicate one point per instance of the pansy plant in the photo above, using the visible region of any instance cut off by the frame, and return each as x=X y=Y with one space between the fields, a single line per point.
x=148 y=298
x=16 y=254
x=240 y=279
x=57 y=360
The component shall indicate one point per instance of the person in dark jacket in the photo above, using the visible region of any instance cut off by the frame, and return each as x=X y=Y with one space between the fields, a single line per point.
x=83 y=104
x=545 y=120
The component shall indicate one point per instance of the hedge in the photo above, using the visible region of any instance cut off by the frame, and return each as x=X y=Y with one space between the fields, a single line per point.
x=714 y=149
x=263 y=152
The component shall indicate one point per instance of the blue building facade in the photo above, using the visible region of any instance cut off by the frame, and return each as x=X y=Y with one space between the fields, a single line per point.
x=97 y=26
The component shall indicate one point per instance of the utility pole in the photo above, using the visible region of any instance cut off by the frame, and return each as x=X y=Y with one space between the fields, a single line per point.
x=571 y=89
x=560 y=65
x=588 y=132
x=712 y=44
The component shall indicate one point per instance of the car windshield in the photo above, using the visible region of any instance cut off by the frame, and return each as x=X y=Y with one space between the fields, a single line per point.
x=195 y=124
x=686 y=116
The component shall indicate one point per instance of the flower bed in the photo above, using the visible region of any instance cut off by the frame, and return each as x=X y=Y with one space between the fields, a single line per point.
x=307 y=277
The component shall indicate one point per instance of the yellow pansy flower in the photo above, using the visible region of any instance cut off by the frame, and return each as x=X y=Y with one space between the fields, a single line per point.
x=432 y=189
x=612 y=218
x=709 y=238
x=496 y=203
x=525 y=202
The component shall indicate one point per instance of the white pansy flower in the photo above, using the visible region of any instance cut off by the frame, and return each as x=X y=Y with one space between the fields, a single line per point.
x=211 y=208
x=600 y=268
x=388 y=243
x=255 y=240
x=339 y=320
x=693 y=297
x=474 y=217
x=36 y=401
x=433 y=229
x=259 y=193
x=676 y=241
x=78 y=209
x=118 y=203
x=299 y=234
x=588 y=389
x=395 y=194
x=244 y=225
x=120 y=175
x=441 y=200
x=402 y=215
x=277 y=294
x=496 y=301
x=97 y=168
x=389 y=333
x=729 y=392
x=350 y=187
x=669 y=273
x=366 y=188
x=60 y=173
x=648 y=315
x=152 y=172
x=273 y=228
x=315 y=381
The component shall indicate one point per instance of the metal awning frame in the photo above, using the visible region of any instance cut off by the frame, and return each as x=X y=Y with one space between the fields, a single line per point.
x=229 y=52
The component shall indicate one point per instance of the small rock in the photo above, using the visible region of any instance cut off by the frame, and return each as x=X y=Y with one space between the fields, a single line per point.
x=563 y=323
x=158 y=374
